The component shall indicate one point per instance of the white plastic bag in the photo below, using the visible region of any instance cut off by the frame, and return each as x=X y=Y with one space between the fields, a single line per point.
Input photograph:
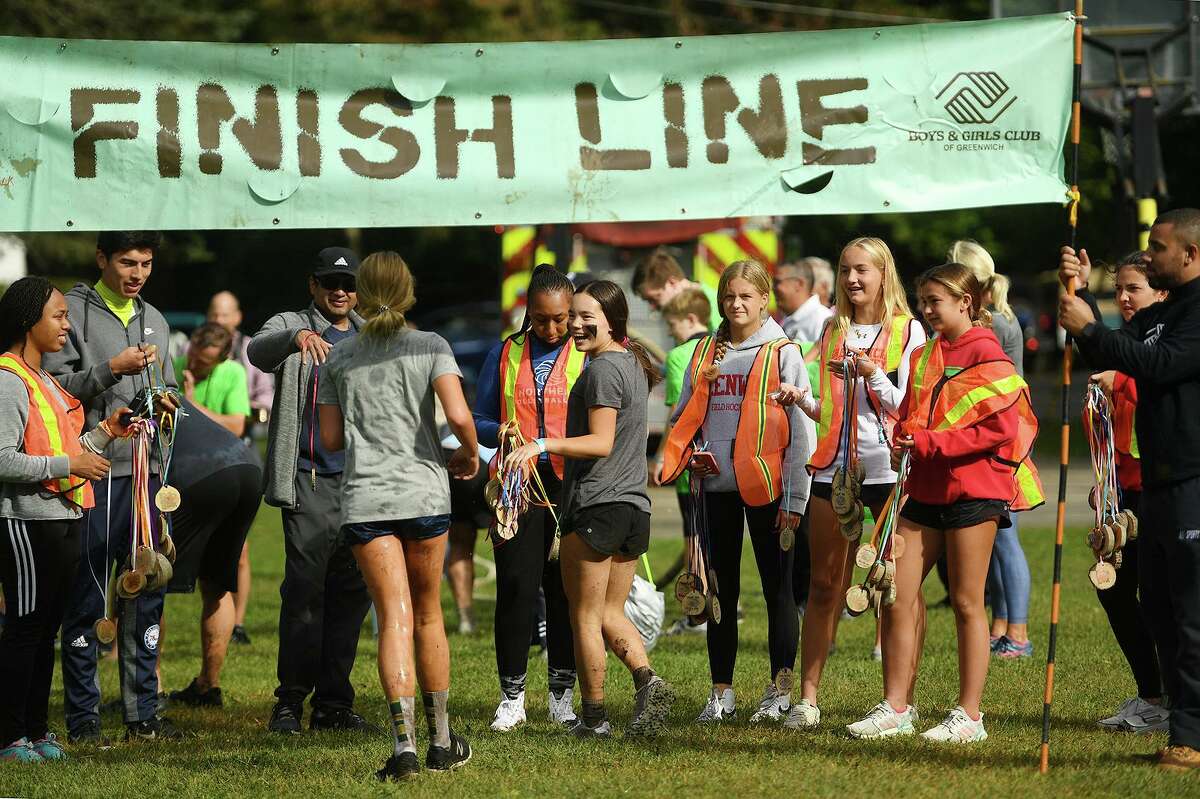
x=646 y=607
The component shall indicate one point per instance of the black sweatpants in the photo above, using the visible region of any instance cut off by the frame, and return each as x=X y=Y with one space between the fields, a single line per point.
x=1169 y=580
x=37 y=565
x=323 y=600
x=726 y=512
x=521 y=568
x=801 y=564
x=1129 y=624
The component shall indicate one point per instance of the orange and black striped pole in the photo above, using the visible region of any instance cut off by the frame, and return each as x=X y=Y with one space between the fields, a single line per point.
x=1073 y=217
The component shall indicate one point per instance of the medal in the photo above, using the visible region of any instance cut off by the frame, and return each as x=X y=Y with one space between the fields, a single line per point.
x=168 y=499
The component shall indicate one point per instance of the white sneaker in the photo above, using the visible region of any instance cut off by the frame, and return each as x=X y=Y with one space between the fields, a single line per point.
x=685 y=626
x=509 y=714
x=803 y=716
x=883 y=722
x=720 y=707
x=877 y=654
x=561 y=710
x=773 y=707
x=958 y=728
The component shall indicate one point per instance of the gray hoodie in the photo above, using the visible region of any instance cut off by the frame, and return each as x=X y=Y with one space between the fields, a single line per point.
x=273 y=349
x=96 y=335
x=724 y=405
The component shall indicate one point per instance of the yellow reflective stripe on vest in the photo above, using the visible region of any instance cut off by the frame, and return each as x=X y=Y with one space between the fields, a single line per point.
x=1029 y=487
x=512 y=364
x=41 y=404
x=978 y=394
x=574 y=367
x=760 y=392
x=895 y=350
x=699 y=356
x=1133 y=445
x=827 y=396
x=918 y=379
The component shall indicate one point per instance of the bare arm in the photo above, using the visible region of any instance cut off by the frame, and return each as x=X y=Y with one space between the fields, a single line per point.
x=333 y=427
x=598 y=443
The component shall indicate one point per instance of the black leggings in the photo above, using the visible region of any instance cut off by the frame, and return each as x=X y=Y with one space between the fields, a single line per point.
x=1127 y=620
x=37 y=566
x=521 y=568
x=725 y=531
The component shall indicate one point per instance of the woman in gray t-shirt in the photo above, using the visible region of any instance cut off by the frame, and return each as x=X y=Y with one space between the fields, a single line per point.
x=376 y=401
x=606 y=512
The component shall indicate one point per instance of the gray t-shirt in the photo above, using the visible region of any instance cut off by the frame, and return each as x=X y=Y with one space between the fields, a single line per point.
x=611 y=380
x=394 y=461
x=1012 y=340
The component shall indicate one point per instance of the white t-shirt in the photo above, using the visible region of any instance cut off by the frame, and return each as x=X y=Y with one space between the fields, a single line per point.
x=872 y=440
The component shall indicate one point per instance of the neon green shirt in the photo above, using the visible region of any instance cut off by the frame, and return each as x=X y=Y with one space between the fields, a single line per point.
x=223 y=391
x=121 y=306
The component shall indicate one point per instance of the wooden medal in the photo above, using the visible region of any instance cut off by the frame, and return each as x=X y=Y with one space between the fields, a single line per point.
x=106 y=631
x=131 y=584
x=712 y=581
x=1103 y=575
x=683 y=584
x=1110 y=540
x=491 y=492
x=714 y=608
x=785 y=681
x=865 y=556
x=875 y=573
x=166 y=545
x=168 y=499
x=143 y=560
x=889 y=572
x=693 y=603
x=1119 y=532
x=1131 y=524
x=858 y=599
x=889 y=596
x=787 y=538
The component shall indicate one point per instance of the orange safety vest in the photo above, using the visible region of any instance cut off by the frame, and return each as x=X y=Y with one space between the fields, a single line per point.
x=886 y=351
x=519 y=397
x=763 y=431
x=52 y=430
x=938 y=401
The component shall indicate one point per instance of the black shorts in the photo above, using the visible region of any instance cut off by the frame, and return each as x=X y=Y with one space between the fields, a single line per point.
x=873 y=494
x=467 y=502
x=611 y=528
x=956 y=515
x=416 y=529
x=210 y=528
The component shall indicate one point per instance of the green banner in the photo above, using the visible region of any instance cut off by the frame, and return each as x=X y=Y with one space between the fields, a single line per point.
x=175 y=135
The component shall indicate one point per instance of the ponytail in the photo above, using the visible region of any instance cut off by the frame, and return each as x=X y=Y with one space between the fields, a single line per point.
x=999 y=292
x=643 y=359
x=386 y=292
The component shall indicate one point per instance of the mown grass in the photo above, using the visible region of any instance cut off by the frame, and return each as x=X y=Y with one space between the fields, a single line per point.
x=230 y=754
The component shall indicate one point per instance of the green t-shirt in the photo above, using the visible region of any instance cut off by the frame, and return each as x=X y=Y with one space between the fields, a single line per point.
x=223 y=391
x=677 y=363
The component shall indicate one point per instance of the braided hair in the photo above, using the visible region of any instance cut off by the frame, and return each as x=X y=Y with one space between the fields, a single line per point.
x=545 y=280
x=21 y=308
x=757 y=276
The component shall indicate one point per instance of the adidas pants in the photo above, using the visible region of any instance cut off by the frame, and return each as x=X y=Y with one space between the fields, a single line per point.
x=106 y=533
x=37 y=564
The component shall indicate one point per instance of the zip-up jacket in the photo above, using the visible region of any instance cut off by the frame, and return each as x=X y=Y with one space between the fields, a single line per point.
x=96 y=335
x=1160 y=349
x=273 y=349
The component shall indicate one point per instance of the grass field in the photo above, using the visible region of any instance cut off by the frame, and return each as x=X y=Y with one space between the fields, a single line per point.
x=230 y=754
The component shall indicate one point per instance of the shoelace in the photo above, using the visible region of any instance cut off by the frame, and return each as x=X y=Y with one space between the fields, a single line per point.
x=958 y=723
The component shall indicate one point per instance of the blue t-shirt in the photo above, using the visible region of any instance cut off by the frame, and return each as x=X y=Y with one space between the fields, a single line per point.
x=487 y=395
x=310 y=429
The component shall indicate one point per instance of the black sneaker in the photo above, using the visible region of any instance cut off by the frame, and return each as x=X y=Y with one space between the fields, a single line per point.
x=158 y=728
x=240 y=636
x=192 y=695
x=601 y=730
x=285 y=718
x=340 y=720
x=88 y=734
x=440 y=758
x=403 y=766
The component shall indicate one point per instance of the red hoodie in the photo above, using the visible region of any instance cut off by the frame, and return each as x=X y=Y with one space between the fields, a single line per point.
x=954 y=465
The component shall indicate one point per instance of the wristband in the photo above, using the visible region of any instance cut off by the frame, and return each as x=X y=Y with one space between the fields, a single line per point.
x=541 y=444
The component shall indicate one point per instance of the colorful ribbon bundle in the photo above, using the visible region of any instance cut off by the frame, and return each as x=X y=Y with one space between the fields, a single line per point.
x=848 y=478
x=878 y=556
x=515 y=487
x=696 y=587
x=1114 y=527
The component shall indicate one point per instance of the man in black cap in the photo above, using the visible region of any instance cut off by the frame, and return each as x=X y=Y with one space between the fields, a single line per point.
x=324 y=599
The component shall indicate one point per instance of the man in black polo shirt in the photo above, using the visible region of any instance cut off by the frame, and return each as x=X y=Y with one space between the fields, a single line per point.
x=1160 y=349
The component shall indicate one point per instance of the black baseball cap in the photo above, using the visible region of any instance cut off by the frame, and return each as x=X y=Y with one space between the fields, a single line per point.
x=336 y=261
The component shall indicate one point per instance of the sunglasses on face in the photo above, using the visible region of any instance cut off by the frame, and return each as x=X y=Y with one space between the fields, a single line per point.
x=334 y=282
